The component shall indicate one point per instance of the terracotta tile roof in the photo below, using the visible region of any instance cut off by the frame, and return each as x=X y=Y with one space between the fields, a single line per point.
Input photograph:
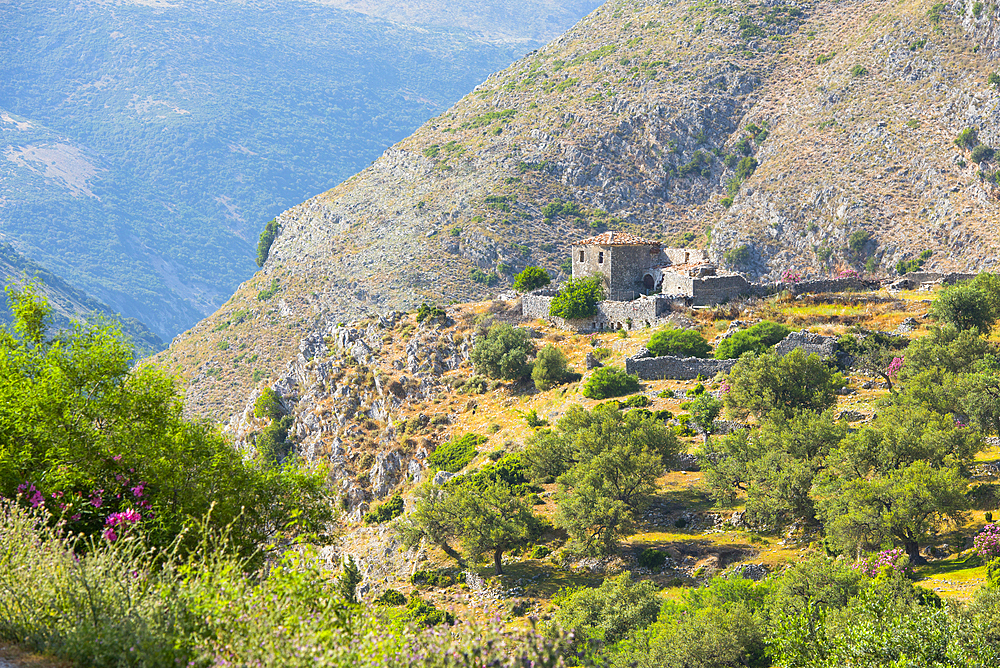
x=612 y=238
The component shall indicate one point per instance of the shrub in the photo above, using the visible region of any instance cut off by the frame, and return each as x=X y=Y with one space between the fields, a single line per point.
x=430 y=313
x=612 y=611
x=858 y=71
x=503 y=353
x=993 y=79
x=652 y=558
x=756 y=339
x=427 y=614
x=531 y=278
x=483 y=277
x=269 y=291
x=386 y=511
x=746 y=167
x=680 y=342
x=578 y=298
x=456 y=453
x=637 y=401
x=609 y=381
x=987 y=542
x=391 y=597
x=550 y=368
x=739 y=256
x=704 y=409
x=967 y=138
x=981 y=153
x=267 y=237
x=268 y=405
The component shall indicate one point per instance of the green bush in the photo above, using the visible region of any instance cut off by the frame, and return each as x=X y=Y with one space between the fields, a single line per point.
x=770 y=382
x=385 y=511
x=267 y=237
x=679 y=342
x=268 y=405
x=981 y=153
x=483 y=277
x=531 y=278
x=550 y=368
x=652 y=558
x=858 y=71
x=637 y=401
x=967 y=138
x=739 y=256
x=756 y=339
x=430 y=313
x=456 y=453
x=965 y=306
x=503 y=353
x=609 y=381
x=269 y=291
x=612 y=611
x=746 y=168
x=578 y=298
x=391 y=597
x=427 y=614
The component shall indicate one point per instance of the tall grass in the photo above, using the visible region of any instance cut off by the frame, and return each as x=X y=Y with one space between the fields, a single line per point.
x=100 y=603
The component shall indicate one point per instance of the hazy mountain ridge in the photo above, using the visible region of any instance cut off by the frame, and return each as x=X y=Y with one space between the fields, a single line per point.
x=68 y=304
x=639 y=115
x=201 y=120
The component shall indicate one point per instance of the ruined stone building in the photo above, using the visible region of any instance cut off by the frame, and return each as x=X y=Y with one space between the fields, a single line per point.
x=642 y=280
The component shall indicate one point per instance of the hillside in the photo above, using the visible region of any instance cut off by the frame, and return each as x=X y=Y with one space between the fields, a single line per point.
x=640 y=118
x=145 y=144
x=68 y=304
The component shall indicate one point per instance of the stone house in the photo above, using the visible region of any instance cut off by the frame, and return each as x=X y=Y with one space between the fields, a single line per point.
x=631 y=266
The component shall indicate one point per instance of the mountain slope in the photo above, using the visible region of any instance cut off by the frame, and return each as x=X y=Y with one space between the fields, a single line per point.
x=651 y=118
x=145 y=144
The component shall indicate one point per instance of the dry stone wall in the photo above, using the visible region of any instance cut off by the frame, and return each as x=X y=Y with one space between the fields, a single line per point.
x=635 y=314
x=647 y=367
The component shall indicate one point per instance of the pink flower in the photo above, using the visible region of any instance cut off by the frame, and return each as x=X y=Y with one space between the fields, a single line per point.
x=137 y=490
x=36 y=498
x=110 y=535
x=117 y=458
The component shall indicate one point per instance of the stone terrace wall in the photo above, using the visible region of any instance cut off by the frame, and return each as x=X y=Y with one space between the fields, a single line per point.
x=669 y=367
x=712 y=290
x=610 y=314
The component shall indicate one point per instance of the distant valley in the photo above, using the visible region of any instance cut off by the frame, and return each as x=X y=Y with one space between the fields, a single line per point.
x=145 y=144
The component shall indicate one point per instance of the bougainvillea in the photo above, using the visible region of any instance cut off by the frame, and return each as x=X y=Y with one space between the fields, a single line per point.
x=987 y=541
x=873 y=563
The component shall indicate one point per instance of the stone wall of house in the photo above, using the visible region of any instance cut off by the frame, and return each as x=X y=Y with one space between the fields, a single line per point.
x=647 y=367
x=628 y=265
x=686 y=255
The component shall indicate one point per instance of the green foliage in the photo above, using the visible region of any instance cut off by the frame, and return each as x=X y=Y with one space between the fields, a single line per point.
x=934 y=13
x=272 y=443
x=746 y=167
x=268 y=405
x=347 y=583
x=856 y=243
x=858 y=71
x=87 y=431
x=391 y=597
x=503 y=353
x=704 y=409
x=489 y=118
x=749 y=29
x=756 y=339
x=558 y=207
x=738 y=256
x=427 y=614
x=606 y=463
x=965 y=306
x=267 y=237
x=825 y=57
x=487 y=278
x=993 y=79
x=760 y=384
x=531 y=278
x=609 y=381
x=455 y=454
x=981 y=153
x=578 y=298
x=385 y=511
x=967 y=138
x=652 y=558
x=269 y=291
x=430 y=313
x=610 y=612
x=551 y=368
x=679 y=342
x=914 y=264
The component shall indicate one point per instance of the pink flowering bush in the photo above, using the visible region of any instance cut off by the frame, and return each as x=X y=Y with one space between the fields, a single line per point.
x=789 y=276
x=894 y=367
x=848 y=273
x=894 y=559
x=987 y=541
